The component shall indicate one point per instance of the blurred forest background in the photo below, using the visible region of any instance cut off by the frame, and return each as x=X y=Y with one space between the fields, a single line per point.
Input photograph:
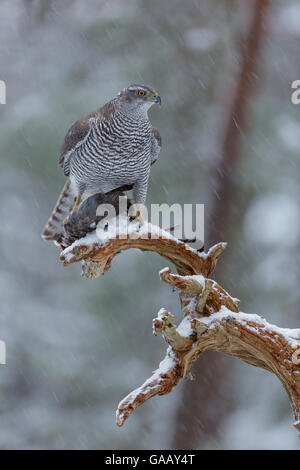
x=76 y=347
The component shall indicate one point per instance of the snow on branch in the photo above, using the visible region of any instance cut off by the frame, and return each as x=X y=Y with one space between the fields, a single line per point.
x=211 y=317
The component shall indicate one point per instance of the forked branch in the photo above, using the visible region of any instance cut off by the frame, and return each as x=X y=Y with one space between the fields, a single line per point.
x=211 y=317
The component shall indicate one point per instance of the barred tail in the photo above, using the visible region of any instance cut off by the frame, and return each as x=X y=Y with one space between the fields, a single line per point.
x=53 y=229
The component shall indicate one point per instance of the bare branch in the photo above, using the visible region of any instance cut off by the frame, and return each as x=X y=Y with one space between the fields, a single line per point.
x=93 y=250
x=211 y=318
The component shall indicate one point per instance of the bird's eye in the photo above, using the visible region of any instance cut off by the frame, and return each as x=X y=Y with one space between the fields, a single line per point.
x=141 y=93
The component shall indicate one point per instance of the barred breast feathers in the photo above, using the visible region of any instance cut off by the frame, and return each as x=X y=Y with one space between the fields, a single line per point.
x=109 y=144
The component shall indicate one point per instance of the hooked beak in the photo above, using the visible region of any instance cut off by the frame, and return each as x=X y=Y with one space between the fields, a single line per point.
x=156 y=98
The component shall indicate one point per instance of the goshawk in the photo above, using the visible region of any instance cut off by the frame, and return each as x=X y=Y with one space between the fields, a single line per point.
x=111 y=147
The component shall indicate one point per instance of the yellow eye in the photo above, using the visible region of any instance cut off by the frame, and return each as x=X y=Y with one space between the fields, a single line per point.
x=141 y=93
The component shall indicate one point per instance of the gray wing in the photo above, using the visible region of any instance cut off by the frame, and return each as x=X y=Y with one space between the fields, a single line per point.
x=76 y=135
x=156 y=145
x=79 y=132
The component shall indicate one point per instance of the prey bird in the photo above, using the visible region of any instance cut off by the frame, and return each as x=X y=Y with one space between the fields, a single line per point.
x=112 y=147
x=85 y=219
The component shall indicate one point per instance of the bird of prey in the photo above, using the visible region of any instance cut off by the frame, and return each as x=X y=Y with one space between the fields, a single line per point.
x=111 y=147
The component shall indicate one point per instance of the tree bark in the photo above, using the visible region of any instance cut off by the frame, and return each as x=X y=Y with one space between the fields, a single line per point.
x=211 y=317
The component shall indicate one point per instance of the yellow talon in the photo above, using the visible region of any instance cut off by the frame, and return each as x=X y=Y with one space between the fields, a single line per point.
x=138 y=215
x=77 y=202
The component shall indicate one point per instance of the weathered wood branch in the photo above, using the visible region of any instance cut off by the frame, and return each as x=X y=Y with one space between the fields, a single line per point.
x=211 y=317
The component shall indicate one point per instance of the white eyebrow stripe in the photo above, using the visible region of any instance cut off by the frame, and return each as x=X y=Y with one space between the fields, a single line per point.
x=132 y=88
x=139 y=87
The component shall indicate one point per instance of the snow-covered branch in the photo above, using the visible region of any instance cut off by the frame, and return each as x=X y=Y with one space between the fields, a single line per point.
x=211 y=317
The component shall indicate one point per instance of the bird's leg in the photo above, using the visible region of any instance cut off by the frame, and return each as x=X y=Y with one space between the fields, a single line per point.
x=77 y=202
x=139 y=196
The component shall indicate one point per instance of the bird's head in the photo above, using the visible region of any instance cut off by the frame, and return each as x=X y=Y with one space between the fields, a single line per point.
x=138 y=98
